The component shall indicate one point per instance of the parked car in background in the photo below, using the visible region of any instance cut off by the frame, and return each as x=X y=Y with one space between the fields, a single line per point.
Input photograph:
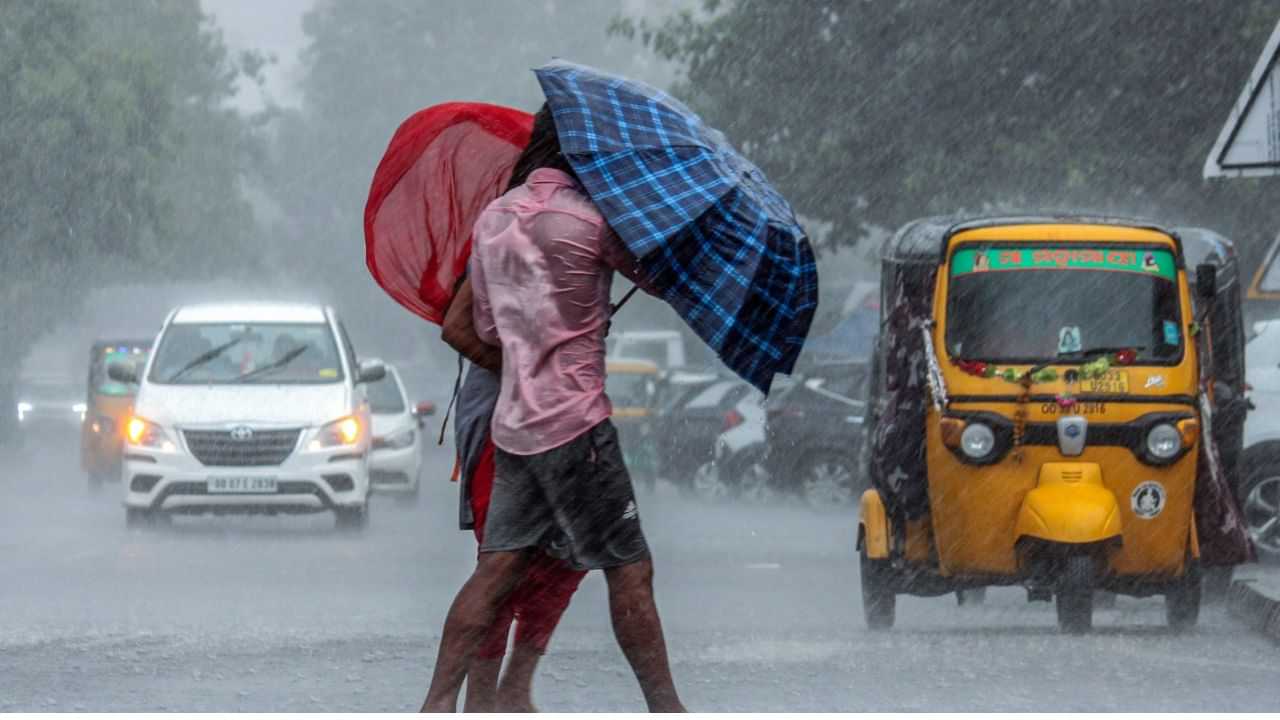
x=395 y=460
x=736 y=469
x=686 y=431
x=107 y=407
x=249 y=408
x=1260 y=490
x=814 y=429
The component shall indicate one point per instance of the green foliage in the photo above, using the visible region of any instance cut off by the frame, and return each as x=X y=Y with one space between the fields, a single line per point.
x=873 y=113
x=120 y=156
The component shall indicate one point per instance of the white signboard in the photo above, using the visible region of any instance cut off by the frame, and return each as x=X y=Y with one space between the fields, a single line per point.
x=1249 y=144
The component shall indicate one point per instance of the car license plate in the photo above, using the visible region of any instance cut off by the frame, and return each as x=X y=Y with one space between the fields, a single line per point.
x=1115 y=382
x=242 y=485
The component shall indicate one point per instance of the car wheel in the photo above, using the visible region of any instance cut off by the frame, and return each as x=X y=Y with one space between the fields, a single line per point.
x=879 y=601
x=352 y=519
x=708 y=485
x=1261 y=505
x=827 y=482
x=755 y=485
x=1075 y=595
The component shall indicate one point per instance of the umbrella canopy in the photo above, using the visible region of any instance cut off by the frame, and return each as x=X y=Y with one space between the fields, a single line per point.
x=444 y=165
x=714 y=236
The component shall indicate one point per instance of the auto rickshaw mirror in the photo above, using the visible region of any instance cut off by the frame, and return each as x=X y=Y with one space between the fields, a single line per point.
x=1206 y=280
x=123 y=372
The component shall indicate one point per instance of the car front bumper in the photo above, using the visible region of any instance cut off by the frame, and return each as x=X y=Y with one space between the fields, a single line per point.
x=307 y=481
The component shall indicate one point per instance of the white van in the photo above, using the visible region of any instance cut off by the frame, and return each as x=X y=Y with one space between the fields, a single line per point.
x=249 y=408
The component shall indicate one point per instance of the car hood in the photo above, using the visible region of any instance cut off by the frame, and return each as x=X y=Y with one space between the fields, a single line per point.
x=296 y=405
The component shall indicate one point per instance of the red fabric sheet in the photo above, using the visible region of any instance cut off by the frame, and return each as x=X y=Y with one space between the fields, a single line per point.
x=443 y=166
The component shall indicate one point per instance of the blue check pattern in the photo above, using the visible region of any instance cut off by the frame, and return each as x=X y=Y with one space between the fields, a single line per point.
x=712 y=234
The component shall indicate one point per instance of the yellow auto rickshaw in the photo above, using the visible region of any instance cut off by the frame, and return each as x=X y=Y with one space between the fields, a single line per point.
x=631 y=385
x=1036 y=416
x=106 y=408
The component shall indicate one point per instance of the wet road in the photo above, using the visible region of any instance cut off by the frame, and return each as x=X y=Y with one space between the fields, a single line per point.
x=760 y=606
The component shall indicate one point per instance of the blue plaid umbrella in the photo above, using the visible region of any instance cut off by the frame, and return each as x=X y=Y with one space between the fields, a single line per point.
x=712 y=234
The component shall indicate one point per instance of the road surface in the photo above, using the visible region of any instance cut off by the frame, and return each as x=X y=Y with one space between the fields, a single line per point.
x=760 y=605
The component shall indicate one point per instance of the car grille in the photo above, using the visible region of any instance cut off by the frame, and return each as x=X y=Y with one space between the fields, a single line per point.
x=219 y=448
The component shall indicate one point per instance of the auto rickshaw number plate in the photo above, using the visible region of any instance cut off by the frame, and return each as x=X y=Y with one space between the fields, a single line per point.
x=1115 y=382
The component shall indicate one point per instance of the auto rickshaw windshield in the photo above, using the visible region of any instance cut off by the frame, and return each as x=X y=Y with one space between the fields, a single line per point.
x=1031 y=305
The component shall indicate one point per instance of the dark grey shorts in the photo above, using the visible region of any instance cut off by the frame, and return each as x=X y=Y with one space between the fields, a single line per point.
x=575 y=501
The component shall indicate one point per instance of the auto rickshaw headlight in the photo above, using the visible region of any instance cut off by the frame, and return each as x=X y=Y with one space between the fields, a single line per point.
x=977 y=440
x=1164 y=441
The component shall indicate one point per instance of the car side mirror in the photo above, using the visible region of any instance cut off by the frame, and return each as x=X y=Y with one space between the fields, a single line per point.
x=123 y=372
x=371 y=371
x=425 y=408
x=1206 y=280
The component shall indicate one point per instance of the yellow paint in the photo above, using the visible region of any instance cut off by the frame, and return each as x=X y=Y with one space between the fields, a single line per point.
x=978 y=512
x=630 y=412
x=1069 y=505
x=630 y=367
x=1195 y=538
x=875 y=525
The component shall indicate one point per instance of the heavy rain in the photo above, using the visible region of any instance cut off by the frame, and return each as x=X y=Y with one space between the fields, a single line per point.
x=953 y=384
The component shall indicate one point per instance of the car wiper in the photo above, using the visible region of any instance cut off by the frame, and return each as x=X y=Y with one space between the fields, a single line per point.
x=203 y=358
x=284 y=360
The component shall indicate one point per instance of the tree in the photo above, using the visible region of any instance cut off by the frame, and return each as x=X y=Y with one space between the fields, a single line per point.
x=121 y=160
x=872 y=113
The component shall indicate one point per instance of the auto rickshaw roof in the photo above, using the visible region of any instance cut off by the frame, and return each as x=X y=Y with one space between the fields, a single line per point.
x=924 y=241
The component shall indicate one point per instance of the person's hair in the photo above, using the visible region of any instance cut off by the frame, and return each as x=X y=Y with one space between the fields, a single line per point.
x=543 y=150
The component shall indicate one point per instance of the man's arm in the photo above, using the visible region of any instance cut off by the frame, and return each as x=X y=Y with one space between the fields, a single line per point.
x=615 y=254
x=459 y=331
x=482 y=311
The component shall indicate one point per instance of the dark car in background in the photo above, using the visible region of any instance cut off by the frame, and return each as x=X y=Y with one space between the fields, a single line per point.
x=685 y=429
x=814 y=431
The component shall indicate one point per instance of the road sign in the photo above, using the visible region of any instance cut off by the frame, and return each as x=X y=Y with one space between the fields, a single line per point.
x=1249 y=144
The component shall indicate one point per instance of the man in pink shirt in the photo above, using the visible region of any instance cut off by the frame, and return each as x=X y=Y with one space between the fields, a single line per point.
x=541 y=269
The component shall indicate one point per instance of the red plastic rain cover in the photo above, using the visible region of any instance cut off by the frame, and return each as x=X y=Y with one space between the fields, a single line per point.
x=443 y=166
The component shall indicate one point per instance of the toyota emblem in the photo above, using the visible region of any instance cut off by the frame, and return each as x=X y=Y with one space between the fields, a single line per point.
x=242 y=433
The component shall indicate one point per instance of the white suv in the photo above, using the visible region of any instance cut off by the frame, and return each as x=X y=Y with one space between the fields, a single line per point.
x=249 y=408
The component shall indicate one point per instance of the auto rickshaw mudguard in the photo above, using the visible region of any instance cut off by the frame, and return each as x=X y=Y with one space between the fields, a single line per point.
x=873 y=526
x=1069 y=505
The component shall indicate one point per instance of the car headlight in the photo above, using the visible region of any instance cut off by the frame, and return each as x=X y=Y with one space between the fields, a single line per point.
x=341 y=432
x=145 y=433
x=1164 y=441
x=977 y=440
x=399 y=440
x=23 y=409
x=79 y=408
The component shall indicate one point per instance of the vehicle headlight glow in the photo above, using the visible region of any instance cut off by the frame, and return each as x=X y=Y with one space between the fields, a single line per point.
x=23 y=409
x=343 y=431
x=145 y=433
x=1164 y=441
x=977 y=440
x=79 y=408
x=399 y=440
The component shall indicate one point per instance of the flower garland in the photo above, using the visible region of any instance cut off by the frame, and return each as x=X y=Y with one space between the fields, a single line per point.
x=1091 y=370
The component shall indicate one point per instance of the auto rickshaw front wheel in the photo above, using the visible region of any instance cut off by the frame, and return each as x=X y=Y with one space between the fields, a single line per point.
x=879 y=601
x=1075 y=595
x=1182 y=601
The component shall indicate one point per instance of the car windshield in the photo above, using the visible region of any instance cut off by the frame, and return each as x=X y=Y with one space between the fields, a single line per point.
x=247 y=353
x=122 y=354
x=384 y=396
x=1031 y=305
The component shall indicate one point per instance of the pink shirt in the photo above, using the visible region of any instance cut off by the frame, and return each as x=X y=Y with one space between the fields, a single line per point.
x=541 y=269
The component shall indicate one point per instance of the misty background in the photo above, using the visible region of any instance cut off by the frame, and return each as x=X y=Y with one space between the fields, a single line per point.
x=167 y=151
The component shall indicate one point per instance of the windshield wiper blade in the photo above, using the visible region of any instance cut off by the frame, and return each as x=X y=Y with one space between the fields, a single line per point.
x=203 y=358
x=284 y=360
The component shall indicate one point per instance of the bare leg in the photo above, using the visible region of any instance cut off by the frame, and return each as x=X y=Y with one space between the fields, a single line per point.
x=515 y=692
x=482 y=685
x=469 y=620
x=639 y=632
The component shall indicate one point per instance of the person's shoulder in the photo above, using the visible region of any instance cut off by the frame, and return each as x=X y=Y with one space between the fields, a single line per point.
x=572 y=200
